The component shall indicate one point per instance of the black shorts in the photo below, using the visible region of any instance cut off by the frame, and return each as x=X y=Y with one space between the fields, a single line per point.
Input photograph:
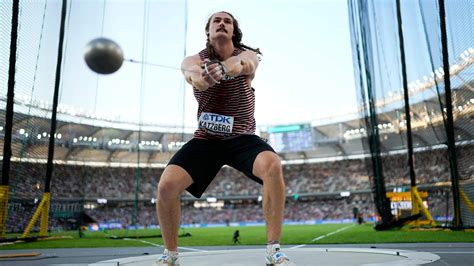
x=203 y=159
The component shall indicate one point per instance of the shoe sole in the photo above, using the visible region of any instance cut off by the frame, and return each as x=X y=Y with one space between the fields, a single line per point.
x=166 y=264
x=286 y=263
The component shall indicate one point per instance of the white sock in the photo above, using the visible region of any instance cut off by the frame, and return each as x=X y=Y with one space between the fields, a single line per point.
x=272 y=248
x=171 y=253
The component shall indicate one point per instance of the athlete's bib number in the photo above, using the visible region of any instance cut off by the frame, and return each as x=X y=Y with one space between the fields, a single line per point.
x=216 y=123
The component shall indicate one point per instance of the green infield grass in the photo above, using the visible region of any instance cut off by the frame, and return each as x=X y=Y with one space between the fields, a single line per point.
x=222 y=236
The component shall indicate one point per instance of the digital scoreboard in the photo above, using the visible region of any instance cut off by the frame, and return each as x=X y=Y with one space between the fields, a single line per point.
x=291 y=138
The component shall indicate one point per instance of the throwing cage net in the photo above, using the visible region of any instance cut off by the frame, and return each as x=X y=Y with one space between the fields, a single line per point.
x=413 y=63
x=65 y=168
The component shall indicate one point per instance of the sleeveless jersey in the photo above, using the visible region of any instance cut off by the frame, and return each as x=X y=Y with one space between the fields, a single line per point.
x=226 y=109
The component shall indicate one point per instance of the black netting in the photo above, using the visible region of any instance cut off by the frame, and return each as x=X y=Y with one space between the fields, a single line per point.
x=32 y=117
x=378 y=72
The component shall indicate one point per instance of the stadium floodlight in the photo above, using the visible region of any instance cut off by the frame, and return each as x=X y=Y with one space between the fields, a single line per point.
x=345 y=193
x=102 y=201
x=211 y=199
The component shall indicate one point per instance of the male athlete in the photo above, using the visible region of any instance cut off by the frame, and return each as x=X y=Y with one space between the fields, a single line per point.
x=221 y=76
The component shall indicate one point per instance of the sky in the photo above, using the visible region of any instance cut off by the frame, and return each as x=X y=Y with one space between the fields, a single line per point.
x=306 y=72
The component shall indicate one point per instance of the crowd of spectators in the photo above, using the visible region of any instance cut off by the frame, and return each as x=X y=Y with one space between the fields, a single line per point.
x=236 y=211
x=123 y=185
x=80 y=181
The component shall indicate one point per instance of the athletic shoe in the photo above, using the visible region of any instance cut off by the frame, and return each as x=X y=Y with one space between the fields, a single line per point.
x=168 y=259
x=276 y=257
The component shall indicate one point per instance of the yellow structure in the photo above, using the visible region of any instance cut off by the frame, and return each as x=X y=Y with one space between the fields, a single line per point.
x=43 y=211
x=415 y=200
x=3 y=210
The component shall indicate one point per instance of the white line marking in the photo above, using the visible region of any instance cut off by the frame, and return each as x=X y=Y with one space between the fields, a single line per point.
x=321 y=237
x=194 y=249
x=160 y=246
x=453 y=252
x=331 y=233
x=299 y=246
x=143 y=241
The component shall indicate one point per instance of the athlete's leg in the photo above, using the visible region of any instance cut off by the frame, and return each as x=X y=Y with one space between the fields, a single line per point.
x=256 y=159
x=267 y=166
x=173 y=182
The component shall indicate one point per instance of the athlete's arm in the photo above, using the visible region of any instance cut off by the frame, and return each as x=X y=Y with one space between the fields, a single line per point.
x=192 y=68
x=243 y=64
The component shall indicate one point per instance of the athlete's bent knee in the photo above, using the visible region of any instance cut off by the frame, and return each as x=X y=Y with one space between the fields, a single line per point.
x=269 y=168
x=167 y=190
x=274 y=169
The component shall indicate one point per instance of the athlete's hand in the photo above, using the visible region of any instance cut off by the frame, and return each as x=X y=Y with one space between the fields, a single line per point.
x=212 y=72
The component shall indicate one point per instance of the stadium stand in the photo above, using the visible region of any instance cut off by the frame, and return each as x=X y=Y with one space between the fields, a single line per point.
x=110 y=164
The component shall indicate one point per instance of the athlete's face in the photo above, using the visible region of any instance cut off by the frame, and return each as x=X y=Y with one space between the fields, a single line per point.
x=221 y=26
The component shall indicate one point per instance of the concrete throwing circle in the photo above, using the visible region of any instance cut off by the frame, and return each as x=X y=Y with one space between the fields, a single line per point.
x=299 y=257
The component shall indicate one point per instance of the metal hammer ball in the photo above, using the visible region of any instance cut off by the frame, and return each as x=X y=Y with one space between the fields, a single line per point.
x=103 y=56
